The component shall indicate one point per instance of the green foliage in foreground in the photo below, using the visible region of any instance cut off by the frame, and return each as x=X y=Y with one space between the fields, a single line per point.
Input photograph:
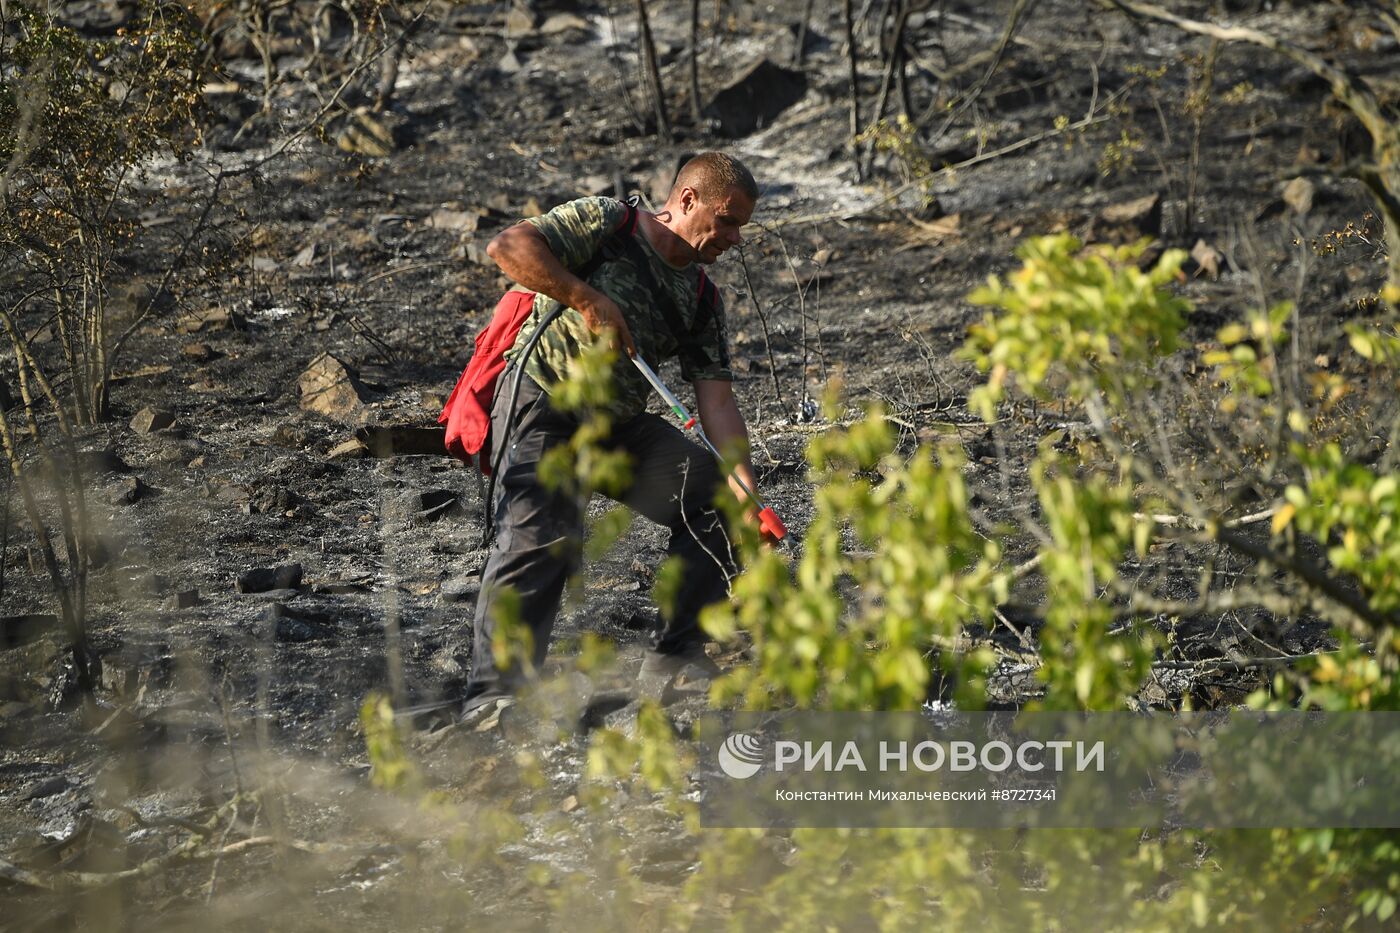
x=895 y=575
x=1074 y=320
x=856 y=628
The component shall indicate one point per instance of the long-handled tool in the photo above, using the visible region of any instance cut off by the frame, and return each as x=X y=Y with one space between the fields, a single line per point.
x=768 y=520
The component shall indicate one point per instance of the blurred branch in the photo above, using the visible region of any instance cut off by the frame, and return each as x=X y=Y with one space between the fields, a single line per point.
x=194 y=849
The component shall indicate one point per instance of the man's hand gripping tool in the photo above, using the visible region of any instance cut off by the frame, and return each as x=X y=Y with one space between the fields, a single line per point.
x=769 y=524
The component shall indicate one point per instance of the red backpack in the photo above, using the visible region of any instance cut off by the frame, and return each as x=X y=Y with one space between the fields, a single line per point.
x=467 y=413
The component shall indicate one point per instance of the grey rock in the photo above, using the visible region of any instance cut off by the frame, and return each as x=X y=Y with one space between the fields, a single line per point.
x=474 y=252
x=352 y=582
x=26 y=671
x=177 y=453
x=1138 y=217
x=509 y=63
x=459 y=221
x=184 y=599
x=149 y=420
x=427 y=505
x=521 y=21
x=267 y=500
x=117 y=678
x=298 y=627
x=229 y=493
x=262 y=579
x=460 y=589
x=211 y=319
x=328 y=387
x=127 y=491
x=25 y=629
x=277 y=595
x=402 y=440
x=46 y=787
x=458 y=544
x=756 y=98
x=101 y=460
x=292 y=434
x=1299 y=194
x=560 y=23
x=305 y=257
x=352 y=449
x=1207 y=259
x=449 y=661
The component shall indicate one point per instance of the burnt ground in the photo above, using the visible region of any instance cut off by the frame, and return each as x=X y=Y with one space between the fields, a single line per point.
x=365 y=258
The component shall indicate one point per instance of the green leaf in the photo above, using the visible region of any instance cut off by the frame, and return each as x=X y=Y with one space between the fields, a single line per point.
x=1362 y=343
x=1231 y=334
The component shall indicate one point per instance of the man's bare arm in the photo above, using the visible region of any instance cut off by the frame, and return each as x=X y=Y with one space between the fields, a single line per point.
x=725 y=427
x=523 y=253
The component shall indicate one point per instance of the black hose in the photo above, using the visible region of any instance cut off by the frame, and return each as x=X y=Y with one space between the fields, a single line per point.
x=503 y=442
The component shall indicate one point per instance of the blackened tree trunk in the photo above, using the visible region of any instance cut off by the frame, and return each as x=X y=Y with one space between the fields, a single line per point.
x=851 y=54
x=658 y=97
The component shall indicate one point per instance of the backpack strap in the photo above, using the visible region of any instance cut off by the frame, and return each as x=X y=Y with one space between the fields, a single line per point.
x=613 y=246
x=708 y=296
x=629 y=221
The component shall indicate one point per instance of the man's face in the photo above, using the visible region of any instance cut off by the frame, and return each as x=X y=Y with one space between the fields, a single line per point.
x=711 y=227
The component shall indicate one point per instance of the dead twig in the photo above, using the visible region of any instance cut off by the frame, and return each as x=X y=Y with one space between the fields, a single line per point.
x=1190 y=522
x=1237 y=664
x=763 y=322
x=386 y=352
x=1014 y=20
x=893 y=61
x=409 y=267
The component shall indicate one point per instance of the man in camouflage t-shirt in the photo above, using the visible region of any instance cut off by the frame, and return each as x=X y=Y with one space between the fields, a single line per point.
x=575 y=233
x=673 y=481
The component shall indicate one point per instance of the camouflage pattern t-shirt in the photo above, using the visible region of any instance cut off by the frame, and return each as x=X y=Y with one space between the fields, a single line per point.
x=575 y=232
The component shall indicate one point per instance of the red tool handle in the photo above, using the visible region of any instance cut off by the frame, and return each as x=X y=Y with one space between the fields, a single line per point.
x=771 y=525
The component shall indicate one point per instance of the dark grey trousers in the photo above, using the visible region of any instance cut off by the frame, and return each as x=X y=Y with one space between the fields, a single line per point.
x=540 y=532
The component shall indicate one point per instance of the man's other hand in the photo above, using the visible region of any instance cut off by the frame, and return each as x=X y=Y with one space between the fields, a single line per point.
x=604 y=317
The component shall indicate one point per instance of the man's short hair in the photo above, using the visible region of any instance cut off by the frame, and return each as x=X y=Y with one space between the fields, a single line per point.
x=712 y=174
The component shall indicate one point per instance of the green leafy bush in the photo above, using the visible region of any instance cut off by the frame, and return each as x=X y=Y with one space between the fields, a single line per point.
x=891 y=569
x=1088 y=315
